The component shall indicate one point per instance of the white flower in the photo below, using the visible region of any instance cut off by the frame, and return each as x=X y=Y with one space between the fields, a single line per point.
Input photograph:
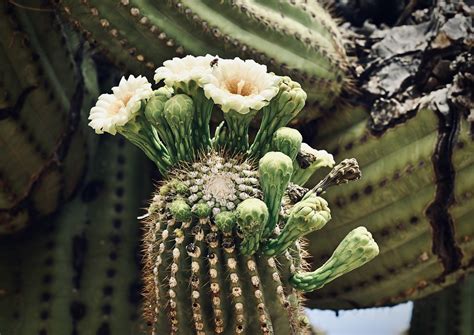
x=115 y=110
x=240 y=85
x=184 y=69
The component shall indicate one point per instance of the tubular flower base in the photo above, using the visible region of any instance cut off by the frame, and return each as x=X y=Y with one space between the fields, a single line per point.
x=222 y=242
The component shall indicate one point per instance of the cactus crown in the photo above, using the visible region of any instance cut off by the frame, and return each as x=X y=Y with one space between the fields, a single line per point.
x=225 y=222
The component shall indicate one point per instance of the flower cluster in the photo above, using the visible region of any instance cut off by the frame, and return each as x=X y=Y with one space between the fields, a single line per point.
x=151 y=118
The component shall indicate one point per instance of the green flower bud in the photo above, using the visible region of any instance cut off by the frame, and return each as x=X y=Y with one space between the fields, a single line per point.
x=275 y=170
x=225 y=221
x=252 y=216
x=154 y=110
x=305 y=217
x=179 y=187
x=201 y=210
x=288 y=141
x=180 y=210
x=179 y=113
x=285 y=106
x=356 y=249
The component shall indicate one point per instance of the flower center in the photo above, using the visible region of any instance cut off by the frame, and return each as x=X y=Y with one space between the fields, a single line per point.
x=126 y=99
x=116 y=106
x=240 y=87
x=220 y=186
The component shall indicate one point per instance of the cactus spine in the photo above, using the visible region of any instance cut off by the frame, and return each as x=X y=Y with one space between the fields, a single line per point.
x=297 y=38
x=222 y=233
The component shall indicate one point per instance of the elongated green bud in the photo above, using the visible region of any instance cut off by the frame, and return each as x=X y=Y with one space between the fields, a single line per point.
x=180 y=210
x=284 y=107
x=252 y=216
x=225 y=221
x=305 y=217
x=179 y=113
x=356 y=249
x=139 y=133
x=288 y=141
x=308 y=161
x=154 y=113
x=237 y=138
x=275 y=169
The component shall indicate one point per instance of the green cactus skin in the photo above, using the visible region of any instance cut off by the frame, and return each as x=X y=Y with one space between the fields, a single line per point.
x=78 y=272
x=42 y=92
x=296 y=38
x=447 y=312
x=399 y=177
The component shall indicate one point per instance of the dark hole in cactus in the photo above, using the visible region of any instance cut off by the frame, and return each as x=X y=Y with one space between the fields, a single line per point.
x=79 y=246
x=92 y=190
x=104 y=329
x=77 y=310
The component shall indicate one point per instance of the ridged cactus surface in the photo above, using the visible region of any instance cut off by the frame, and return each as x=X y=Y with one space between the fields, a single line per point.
x=295 y=38
x=420 y=252
x=222 y=241
x=42 y=92
x=447 y=312
x=412 y=135
x=77 y=272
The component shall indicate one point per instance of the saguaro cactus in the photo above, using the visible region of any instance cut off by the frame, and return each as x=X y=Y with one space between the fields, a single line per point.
x=226 y=222
x=44 y=85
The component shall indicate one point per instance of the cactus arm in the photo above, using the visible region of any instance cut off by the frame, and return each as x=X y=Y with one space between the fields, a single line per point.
x=41 y=93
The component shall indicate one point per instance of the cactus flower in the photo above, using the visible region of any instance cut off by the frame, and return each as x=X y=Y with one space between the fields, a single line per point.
x=184 y=69
x=115 y=110
x=240 y=85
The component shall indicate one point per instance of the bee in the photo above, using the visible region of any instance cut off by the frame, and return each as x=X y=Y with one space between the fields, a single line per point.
x=214 y=62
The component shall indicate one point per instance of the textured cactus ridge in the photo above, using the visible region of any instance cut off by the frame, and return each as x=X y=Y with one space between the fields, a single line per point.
x=222 y=242
x=447 y=312
x=296 y=38
x=42 y=92
x=408 y=267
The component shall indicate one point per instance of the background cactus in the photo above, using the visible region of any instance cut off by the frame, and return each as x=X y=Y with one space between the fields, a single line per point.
x=78 y=271
x=295 y=38
x=42 y=94
x=446 y=312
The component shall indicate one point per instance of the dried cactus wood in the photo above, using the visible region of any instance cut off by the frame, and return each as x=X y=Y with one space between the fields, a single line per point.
x=296 y=38
x=42 y=92
x=222 y=236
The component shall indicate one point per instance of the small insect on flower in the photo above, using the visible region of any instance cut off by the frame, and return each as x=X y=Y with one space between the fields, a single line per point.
x=214 y=62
